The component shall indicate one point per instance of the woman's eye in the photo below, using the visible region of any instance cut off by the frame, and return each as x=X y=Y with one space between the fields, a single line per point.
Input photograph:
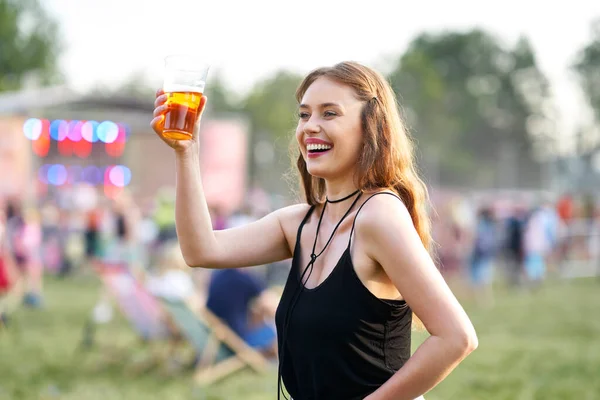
x=329 y=114
x=303 y=115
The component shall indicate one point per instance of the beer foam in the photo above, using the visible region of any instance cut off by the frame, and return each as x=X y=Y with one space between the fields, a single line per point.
x=176 y=87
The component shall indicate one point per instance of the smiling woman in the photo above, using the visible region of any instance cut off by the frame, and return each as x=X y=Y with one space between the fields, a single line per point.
x=359 y=248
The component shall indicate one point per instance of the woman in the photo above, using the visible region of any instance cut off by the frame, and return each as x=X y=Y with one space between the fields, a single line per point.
x=360 y=261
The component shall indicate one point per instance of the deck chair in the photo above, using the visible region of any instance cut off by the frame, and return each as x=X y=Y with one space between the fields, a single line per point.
x=143 y=312
x=221 y=351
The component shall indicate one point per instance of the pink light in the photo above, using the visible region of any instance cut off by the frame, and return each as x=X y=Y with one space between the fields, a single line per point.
x=63 y=130
x=88 y=131
x=75 y=130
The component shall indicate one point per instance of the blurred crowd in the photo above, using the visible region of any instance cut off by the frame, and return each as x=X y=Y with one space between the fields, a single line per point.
x=520 y=239
x=481 y=239
x=58 y=236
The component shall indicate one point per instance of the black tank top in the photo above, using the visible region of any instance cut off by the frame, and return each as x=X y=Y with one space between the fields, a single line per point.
x=341 y=341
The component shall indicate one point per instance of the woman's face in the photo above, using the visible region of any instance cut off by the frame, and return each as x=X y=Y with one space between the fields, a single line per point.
x=329 y=129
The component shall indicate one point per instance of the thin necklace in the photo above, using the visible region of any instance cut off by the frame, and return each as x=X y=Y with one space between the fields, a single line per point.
x=343 y=198
x=302 y=285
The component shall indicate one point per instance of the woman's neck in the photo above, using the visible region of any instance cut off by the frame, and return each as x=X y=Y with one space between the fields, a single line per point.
x=336 y=209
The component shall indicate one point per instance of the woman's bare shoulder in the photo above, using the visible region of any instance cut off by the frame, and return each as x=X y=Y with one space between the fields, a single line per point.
x=290 y=217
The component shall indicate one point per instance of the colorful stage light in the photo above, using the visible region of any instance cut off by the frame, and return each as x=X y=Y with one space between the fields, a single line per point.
x=57 y=175
x=89 y=131
x=92 y=175
x=41 y=145
x=108 y=131
x=43 y=173
x=119 y=175
x=82 y=148
x=74 y=133
x=59 y=129
x=32 y=128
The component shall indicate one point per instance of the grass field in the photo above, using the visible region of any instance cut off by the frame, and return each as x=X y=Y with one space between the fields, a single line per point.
x=532 y=346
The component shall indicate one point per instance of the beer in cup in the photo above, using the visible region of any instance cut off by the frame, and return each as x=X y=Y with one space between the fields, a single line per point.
x=185 y=78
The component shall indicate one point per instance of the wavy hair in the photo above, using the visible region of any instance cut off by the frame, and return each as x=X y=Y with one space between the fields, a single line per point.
x=387 y=159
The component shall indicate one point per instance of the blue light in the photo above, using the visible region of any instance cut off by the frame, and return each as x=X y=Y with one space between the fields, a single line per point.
x=57 y=175
x=108 y=131
x=92 y=175
x=59 y=129
x=32 y=128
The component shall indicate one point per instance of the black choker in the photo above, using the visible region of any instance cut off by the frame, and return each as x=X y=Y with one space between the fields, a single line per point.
x=342 y=199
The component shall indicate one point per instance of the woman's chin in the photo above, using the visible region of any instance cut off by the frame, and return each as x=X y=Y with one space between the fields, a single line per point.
x=316 y=171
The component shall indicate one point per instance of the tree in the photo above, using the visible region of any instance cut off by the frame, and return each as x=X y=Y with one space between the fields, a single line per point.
x=29 y=44
x=474 y=107
x=271 y=104
x=271 y=110
x=587 y=68
x=221 y=99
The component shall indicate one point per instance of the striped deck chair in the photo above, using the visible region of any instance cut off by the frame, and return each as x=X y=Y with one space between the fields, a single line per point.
x=142 y=310
x=220 y=350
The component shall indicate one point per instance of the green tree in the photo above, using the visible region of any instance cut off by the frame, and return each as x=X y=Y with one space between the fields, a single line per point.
x=271 y=104
x=587 y=68
x=271 y=109
x=29 y=44
x=474 y=107
x=221 y=99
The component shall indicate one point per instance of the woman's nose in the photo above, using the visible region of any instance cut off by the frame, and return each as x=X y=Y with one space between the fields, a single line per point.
x=311 y=126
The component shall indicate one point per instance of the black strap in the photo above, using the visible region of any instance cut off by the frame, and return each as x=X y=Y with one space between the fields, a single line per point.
x=312 y=253
x=361 y=206
x=309 y=269
x=306 y=217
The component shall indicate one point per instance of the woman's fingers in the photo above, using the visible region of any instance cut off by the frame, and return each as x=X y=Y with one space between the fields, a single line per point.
x=160 y=100
x=160 y=110
x=157 y=124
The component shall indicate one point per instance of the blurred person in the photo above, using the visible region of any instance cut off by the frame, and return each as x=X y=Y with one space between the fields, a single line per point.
x=34 y=270
x=515 y=225
x=243 y=216
x=14 y=229
x=23 y=240
x=565 y=207
x=92 y=234
x=72 y=226
x=540 y=237
x=452 y=226
x=482 y=256
x=123 y=246
x=243 y=302
x=164 y=216
x=51 y=247
x=218 y=217
x=8 y=274
x=344 y=319
x=147 y=233
x=172 y=279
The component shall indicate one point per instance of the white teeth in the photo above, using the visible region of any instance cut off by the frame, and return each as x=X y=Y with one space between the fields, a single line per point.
x=311 y=147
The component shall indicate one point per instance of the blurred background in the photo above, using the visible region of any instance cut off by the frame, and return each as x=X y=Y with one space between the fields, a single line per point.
x=503 y=101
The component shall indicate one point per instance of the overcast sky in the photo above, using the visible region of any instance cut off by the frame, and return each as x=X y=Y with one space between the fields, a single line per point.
x=107 y=41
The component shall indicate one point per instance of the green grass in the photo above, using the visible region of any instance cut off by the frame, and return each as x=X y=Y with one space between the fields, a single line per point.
x=532 y=346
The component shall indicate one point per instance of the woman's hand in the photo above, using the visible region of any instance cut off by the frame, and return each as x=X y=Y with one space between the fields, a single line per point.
x=158 y=122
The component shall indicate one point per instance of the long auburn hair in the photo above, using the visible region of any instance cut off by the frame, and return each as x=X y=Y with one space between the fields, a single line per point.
x=386 y=160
